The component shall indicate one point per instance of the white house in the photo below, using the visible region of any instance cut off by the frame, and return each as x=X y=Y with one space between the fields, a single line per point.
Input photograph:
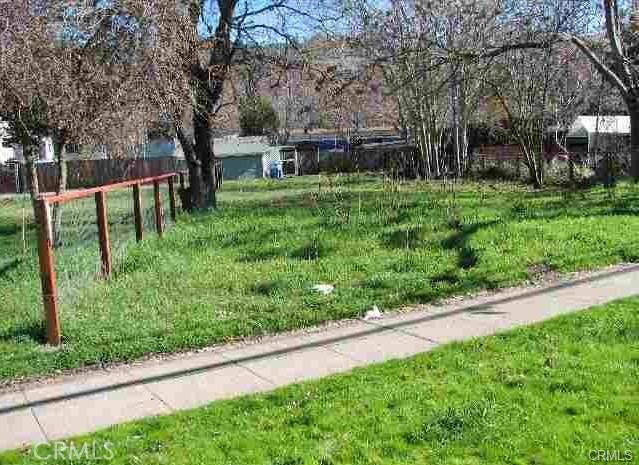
x=46 y=151
x=6 y=153
x=604 y=133
x=15 y=152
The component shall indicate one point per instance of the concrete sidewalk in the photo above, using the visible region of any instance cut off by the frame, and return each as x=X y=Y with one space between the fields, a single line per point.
x=76 y=405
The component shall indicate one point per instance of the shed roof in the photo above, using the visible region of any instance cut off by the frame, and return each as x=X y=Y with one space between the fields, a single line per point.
x=585 y=125
x=227 y=147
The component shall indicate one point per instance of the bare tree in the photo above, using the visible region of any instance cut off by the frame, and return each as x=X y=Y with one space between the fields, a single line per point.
x=84 y=73
x=449 y=50
x=619 y=65
x=217 y=30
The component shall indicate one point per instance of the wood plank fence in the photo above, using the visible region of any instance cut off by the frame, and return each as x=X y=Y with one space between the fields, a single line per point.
x=84 y=174
x=401 y=159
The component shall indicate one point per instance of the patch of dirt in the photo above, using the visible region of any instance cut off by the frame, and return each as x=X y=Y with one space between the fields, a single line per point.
x=543 y=272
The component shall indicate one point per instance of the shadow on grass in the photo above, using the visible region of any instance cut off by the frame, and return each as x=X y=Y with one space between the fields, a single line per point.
x=6 y=268
x=24 y=332
x=330 y=339
x=255 y=256
x=467 y=257
x=270 y=288
x=311 y=250
x=405 y=238
x=8 y=229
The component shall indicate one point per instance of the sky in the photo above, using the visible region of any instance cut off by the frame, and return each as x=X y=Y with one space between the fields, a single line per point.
x=321 y=17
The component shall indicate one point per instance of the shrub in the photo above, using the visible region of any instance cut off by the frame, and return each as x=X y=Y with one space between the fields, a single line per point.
x=258 y=117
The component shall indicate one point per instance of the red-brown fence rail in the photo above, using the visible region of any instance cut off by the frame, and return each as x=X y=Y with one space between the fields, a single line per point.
x=47 y=202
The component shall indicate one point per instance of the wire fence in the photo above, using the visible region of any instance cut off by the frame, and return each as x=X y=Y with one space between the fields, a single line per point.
x=77 y=238
x=16 y=228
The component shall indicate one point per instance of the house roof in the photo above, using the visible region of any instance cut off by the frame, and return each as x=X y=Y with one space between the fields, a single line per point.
x=585 y=125
x=227 y=147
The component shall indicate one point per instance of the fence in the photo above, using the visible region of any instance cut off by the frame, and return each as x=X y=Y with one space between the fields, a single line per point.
x=398 y=158
x=561 y=167
x=9 y=179
x=512 y=165
x=47 y=230
x=82 y=174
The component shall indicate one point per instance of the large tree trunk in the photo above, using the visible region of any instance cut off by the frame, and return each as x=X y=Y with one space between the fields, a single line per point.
x=208 y=83
x=199 y=154
x=202 y=178
x=192 y=197
x=534 y=163
x=200 y=157
x=633 y=111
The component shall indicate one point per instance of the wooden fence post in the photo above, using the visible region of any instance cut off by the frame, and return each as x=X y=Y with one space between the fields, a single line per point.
x=47 y=274
x=182 y=184
x=137 y=212
x=103 y=232
x=172 y=200
x=159 y=213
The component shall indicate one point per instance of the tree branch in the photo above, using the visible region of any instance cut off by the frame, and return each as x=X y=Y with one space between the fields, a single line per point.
x=605 y=71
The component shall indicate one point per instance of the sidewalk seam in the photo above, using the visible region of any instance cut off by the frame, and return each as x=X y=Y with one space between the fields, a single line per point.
x=405 y=332
x=157 y=397
x=35 y=417
x=335 y=351
x=256 y=374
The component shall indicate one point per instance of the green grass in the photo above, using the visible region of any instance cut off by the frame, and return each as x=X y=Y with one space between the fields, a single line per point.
x=246 y=269
x=547 y=394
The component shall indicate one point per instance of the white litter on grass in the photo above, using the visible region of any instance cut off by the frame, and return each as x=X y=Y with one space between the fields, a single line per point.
x=324 y=288
x=374 y=314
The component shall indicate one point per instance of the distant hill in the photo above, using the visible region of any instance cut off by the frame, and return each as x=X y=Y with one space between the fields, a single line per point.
x=327 y=85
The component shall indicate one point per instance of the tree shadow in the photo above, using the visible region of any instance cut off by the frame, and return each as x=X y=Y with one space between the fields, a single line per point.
x=270 y=287
x=32 y=331
x=404 y=238
x=466 y=257
x=9 y=266
x=8 y=229
x=256 y=256
x=311 y=250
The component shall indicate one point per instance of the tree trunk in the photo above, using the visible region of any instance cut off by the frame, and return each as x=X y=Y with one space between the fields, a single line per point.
x=30 y=156
x=202 y=177
x=535 y=171
x=60 y=150
x=208 y=84
x=32 y=172
x=454 y=97
x=633 y=111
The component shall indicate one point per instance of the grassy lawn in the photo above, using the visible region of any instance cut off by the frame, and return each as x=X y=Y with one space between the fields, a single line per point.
x=246 y=269
x=547 y=394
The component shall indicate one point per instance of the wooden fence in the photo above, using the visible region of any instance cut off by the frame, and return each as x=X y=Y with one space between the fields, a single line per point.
x=9 y=179
x=44 y=221
x=84 y=174
x=400 y=159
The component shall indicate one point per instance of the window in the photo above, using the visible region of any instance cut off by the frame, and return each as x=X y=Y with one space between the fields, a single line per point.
x=73 y=148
